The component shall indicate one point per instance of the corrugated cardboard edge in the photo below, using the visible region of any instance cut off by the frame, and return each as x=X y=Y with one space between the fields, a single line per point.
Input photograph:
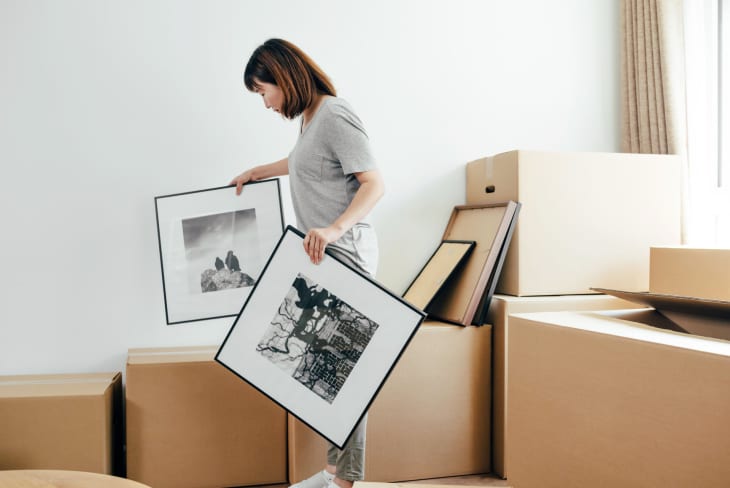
x=673 y=303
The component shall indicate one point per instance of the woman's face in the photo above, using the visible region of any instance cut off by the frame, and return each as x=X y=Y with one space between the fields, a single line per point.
x=272 y=95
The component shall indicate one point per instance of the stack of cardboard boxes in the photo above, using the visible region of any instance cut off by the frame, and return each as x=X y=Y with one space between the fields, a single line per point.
x=544 y=391
x=587 y=220
x=627 y=398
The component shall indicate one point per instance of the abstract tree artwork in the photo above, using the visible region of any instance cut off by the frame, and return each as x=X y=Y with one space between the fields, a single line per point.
x=318 y=339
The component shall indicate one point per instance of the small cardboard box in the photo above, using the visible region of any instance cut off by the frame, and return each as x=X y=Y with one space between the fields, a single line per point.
x=616 y=399
x=62 y=421
x=502 y=307
x=690 y=271
x=431 y=419
x=193 y=424
x=587 y=219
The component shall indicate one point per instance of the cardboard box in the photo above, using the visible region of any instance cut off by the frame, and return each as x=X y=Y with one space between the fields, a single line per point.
x=690 y=271
x=616 y=399
x=587 y=219
x=193 y=424
x=502 y=307
x=431 y=419
x=62 y=421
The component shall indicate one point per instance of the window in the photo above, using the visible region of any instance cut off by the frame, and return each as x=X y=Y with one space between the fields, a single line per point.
x=707 y=58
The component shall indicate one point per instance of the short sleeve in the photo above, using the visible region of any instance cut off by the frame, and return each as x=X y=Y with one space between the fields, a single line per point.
x=348 y=140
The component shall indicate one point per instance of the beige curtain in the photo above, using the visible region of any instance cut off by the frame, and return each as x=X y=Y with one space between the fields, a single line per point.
x=652 y=77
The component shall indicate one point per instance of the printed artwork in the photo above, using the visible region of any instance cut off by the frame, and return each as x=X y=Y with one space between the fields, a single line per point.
x=222 y=251
x=316 y=338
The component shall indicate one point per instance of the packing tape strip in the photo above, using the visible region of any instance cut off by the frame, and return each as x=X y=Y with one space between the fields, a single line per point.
x=174 y=353
x=65 y=381
x=489 y=169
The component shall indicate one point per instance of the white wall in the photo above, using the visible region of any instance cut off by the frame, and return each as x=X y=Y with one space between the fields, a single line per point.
x=105 y=105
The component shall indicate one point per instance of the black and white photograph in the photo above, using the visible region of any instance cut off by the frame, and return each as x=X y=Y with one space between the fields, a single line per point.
x=222 y=251
x=316 y=338
x=213 y=245
x=320 y=339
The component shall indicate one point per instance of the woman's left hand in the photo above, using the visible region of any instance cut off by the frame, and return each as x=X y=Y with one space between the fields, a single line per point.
x=317 y=239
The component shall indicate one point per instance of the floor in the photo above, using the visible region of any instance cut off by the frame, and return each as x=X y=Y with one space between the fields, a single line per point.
x=471 y=480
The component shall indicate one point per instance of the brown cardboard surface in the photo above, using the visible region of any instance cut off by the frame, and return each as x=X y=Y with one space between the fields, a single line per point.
x=698 y=306
x=587 y=219
x=42 y=478
x=596 y=400
x=431 y=418
x=191 y=423
x=690 y=272
x=68 y=422
x=502 y=307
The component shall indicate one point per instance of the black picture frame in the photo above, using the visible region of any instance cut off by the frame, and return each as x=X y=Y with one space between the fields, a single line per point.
x=213 y=244
x=319 y=340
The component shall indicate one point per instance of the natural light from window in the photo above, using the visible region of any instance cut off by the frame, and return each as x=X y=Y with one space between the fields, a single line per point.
x=707 y=55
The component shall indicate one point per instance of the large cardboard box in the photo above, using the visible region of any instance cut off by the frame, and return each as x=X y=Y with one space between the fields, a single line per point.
x=587 y=219
x=62 y=421
x=431 y=418
x=616 y=399
x=193 y=424
x=690 y=271
x=501 y=308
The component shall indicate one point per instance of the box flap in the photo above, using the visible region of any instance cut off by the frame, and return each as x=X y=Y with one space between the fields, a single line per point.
x=610 y=323
x=672 y=303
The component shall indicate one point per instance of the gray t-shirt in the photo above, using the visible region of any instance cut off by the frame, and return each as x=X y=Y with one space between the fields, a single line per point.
x=332 y=147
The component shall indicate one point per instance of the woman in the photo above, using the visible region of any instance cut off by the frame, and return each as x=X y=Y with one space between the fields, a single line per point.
x=334 y=184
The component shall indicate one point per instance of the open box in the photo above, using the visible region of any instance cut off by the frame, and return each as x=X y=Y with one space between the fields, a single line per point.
x=699 y=316
x=617 y=398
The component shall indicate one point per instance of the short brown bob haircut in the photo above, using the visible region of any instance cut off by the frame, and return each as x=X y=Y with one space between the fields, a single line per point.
x=283 y=64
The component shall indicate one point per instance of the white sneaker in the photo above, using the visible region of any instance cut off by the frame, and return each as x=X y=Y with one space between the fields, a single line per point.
x=319 y=480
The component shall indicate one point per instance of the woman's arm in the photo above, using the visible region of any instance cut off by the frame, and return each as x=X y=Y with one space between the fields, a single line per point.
x=370 y=191
x=279 y=168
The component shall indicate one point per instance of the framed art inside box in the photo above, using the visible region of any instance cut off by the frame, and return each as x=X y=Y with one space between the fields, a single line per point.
x=213 y=245
x=488 y=225
x=318 y=339
x=447 y=258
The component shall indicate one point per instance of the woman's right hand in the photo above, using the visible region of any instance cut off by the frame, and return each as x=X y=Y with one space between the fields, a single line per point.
x=241 y=180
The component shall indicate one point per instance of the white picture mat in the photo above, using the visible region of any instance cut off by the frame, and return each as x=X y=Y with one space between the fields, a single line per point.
x=396 y=321
x=182 y=304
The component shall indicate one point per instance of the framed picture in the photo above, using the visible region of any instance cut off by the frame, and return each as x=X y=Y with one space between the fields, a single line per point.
x=480 y=316
x=488 y=225
x=213 y=247
x=319 y=340
x=448 y=256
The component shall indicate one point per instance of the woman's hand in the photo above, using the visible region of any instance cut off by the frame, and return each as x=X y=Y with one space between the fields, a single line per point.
x=316 y=241
x=241 y=180
x=279 y=168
